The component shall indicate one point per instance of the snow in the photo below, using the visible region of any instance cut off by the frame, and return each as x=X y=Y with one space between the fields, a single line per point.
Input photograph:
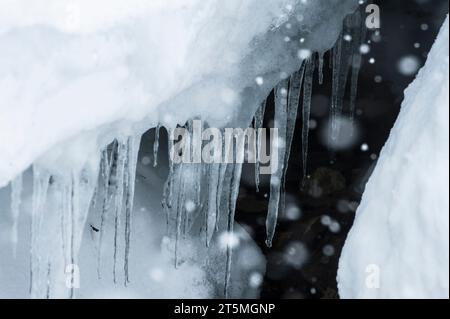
x=76 y=75
x=398 y=246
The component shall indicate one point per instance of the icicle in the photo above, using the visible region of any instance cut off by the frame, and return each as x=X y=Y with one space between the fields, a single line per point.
x=195 y=132
x=258 y=124
x=179 y=211
x=67 y=222
x=130 y=172
x=212 y=209
x=346 y=57
x=80 y=186
x=335 y=107
x=48 y=280
x=60 y=207
x=221 y=183
x=198 y=173
x=358 y=36
x=292 y=109
x=85 y=182
x=341 y=68
x=320 y=68
x=40 y=187
x=168 y=187
x=286 y=110
x=234 y=192
x=354 y=84
x=119 y=180
x=156 y=146
x=105 y=168
x=296 y=81
x=16 y=194
x=307 y=92
x=182 y=194
x=281 y=119
x=295 y=85
x=72 y=209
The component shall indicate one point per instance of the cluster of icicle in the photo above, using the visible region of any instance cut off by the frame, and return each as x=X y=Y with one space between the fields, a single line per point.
x=60 y=207
x=198 y=198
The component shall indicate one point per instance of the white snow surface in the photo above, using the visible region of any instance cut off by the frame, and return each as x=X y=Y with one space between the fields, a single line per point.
x=76 y=74
x=399 y=244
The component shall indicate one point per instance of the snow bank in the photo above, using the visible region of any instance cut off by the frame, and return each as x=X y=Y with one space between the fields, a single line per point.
x=399 y=244
x=74 y=75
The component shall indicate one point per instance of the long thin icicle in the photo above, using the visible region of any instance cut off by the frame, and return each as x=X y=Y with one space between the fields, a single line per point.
x=358 y=36
x=130 y=179
x=106 y=165
x=212 y=209
x=320 y=67
x=156 y=146
x=221 y=184
x=16 y=196
x=258 y=124
x=40 y=187
x=118 y=197
x=307 y=93
x=81 y=190
x=335 y=106
x=234 y=192
x=346 y=56
x=342 y=59
x=295 y=85
x=179 y=190
x=168 y=186
x=281 y=117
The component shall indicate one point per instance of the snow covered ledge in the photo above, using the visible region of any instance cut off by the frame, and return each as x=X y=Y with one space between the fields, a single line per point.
x=399 y=244
x=75 y=76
